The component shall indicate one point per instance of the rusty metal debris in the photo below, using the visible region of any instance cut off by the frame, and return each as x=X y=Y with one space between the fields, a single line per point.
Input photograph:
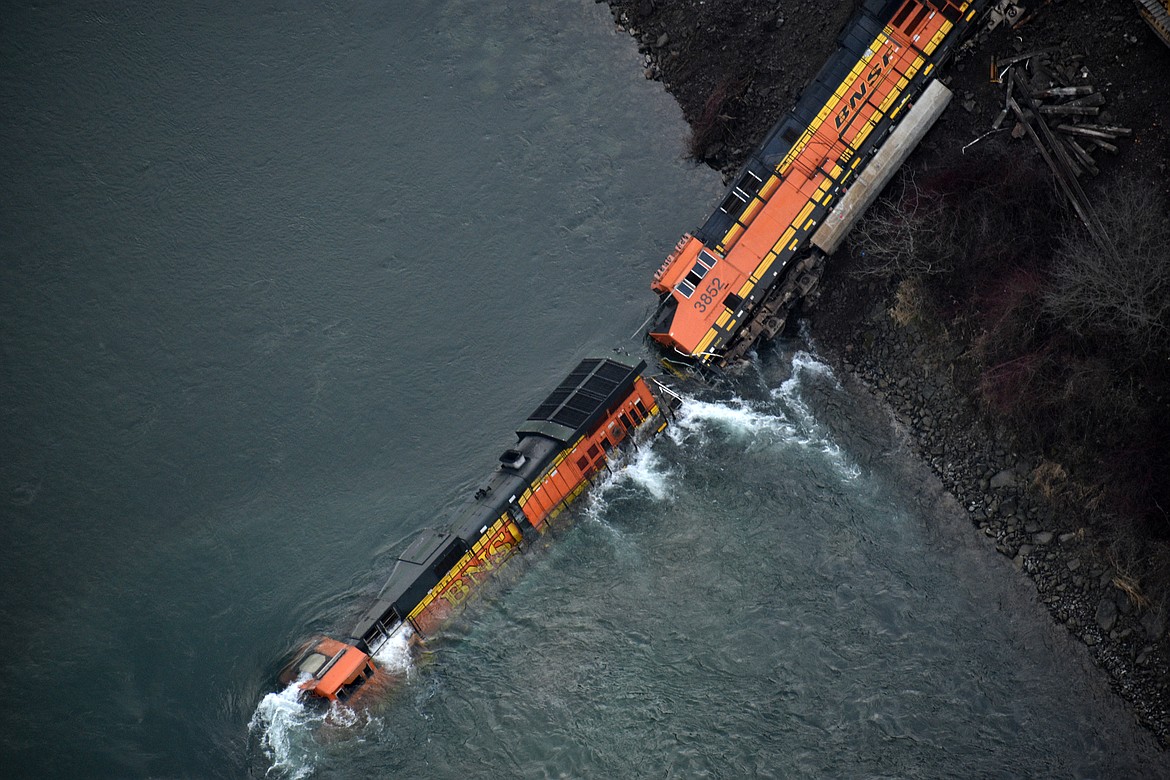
x=1157 y=16
x=1007 y=12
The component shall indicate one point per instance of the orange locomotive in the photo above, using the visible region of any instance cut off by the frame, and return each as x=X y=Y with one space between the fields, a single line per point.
x=736 y=278
x=604 y=404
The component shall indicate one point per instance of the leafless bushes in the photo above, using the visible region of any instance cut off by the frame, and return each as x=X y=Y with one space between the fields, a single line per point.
x=959 y=224
x=1124 y=296
x=909 y=235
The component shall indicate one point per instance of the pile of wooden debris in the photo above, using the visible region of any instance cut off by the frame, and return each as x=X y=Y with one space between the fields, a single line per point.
x=1055 y=104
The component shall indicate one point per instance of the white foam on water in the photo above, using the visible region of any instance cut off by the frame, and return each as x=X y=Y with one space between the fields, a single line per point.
x=394 y=655
x=647 y=470
x=643 y=469
x=787 y=418
x=809 y=430
x=284 y=727
x=736 y=417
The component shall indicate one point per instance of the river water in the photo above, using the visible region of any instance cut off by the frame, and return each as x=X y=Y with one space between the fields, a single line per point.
x=277 y=282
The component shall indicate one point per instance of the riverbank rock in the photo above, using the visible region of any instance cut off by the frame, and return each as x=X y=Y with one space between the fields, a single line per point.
x=735 y=68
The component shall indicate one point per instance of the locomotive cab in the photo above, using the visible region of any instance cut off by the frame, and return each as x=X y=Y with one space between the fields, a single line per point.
x=699 y=289
x=331 y=670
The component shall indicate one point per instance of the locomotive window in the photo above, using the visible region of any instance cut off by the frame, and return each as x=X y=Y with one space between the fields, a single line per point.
x=312 y=664
x=639 y=407
x=582 y=463
x=687 y=290
x=347 y=690
x=696 y=275
x=593 y=451
x=707 y=260
x=626 y=420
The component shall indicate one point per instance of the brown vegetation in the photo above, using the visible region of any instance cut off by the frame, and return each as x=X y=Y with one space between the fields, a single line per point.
x=1125 y=297
x=1067 y=346
x=709 y=128
x=961 y=224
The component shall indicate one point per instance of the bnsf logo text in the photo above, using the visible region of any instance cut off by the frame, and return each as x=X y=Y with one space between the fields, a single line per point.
x=862 y=89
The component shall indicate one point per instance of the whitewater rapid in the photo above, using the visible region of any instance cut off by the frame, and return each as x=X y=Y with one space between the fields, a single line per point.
x=286 y=727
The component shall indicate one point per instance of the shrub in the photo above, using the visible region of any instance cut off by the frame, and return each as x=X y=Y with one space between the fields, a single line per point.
x=709 y=129
x=1125 y=294
x=908 y=235
x=959 y=225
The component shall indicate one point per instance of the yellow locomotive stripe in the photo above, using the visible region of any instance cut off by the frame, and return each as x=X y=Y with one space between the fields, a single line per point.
x=939 y=36
x=863 y=132
x=706 y=342
x=804 y=212
x=772 y=185
x=455 y=573
x=765 y=264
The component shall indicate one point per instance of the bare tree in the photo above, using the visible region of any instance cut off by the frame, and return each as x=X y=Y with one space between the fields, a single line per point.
x=910 y=234
x=1126 y=297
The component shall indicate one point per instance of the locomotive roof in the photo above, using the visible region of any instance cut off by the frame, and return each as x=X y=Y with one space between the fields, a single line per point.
x=590 y=389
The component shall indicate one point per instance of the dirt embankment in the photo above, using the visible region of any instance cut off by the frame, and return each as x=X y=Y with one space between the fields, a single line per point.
x=736 y=67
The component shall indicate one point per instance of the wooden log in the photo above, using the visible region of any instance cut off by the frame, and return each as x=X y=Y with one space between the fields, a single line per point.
x=1088 y=131
x=1064 y=92
x=1104 y=145
x=1025 y=56
x=1063 y=174
x=1067 y=110
x=1095 y=99
x=1058 y=161
x=1109 y=128
x=1083 y=157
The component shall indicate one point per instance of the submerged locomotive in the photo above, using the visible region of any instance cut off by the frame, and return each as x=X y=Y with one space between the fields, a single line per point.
x=734 y=280
x=725 y=287
x=602 y=405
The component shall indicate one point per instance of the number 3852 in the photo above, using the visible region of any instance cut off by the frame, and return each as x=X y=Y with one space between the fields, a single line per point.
x=709 y=294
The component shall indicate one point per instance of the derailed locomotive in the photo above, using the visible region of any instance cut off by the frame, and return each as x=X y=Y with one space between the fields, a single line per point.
x=603 y=405
x=734 y=280
x=722 y=289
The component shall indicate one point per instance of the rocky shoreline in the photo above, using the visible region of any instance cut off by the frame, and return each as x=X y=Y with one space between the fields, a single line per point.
x=909 y=367
x=735 y=68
